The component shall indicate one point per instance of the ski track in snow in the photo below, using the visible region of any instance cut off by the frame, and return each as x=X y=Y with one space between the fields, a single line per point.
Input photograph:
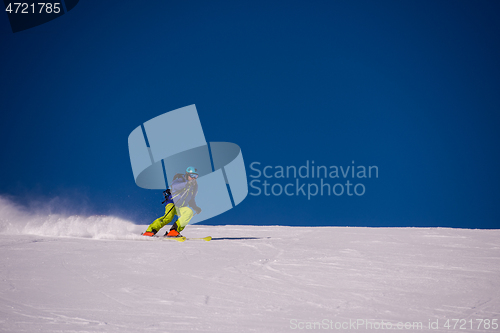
x=91 y=274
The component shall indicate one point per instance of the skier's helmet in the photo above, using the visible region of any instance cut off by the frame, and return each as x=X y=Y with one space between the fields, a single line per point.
x=191 y=170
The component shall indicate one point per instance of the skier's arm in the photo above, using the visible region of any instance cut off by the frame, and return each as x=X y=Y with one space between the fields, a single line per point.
x=192 y=202
x=193 y=205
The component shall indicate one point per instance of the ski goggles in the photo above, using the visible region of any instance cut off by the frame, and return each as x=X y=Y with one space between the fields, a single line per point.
x=193 y=175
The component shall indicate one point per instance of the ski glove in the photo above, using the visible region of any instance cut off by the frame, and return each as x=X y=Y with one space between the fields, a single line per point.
x=197 y=209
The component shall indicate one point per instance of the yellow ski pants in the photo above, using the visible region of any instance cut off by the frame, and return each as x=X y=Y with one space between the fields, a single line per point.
x=185 y=215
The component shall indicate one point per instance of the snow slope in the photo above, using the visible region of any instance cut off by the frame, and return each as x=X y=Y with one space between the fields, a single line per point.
x=76 y=274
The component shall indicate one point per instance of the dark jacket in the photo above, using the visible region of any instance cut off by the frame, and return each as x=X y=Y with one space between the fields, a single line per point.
x=183 y=191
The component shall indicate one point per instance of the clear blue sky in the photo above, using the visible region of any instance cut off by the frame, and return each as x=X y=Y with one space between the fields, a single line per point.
x=412 y=87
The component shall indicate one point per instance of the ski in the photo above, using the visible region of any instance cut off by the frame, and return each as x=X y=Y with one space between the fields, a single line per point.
x=182 y=239
x=208 y=238
x=179 y=239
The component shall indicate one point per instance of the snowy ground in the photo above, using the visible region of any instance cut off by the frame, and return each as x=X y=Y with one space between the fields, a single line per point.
x=248 y=279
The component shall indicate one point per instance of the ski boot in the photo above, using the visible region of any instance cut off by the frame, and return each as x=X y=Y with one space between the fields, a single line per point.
x=173 y=232
x=150 y=233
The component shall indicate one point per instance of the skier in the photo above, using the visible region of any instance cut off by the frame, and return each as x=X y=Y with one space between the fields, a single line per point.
x=184 y=189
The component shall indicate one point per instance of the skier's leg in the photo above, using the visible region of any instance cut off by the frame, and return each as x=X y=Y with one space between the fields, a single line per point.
x=162 y=221
x=186 y=214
